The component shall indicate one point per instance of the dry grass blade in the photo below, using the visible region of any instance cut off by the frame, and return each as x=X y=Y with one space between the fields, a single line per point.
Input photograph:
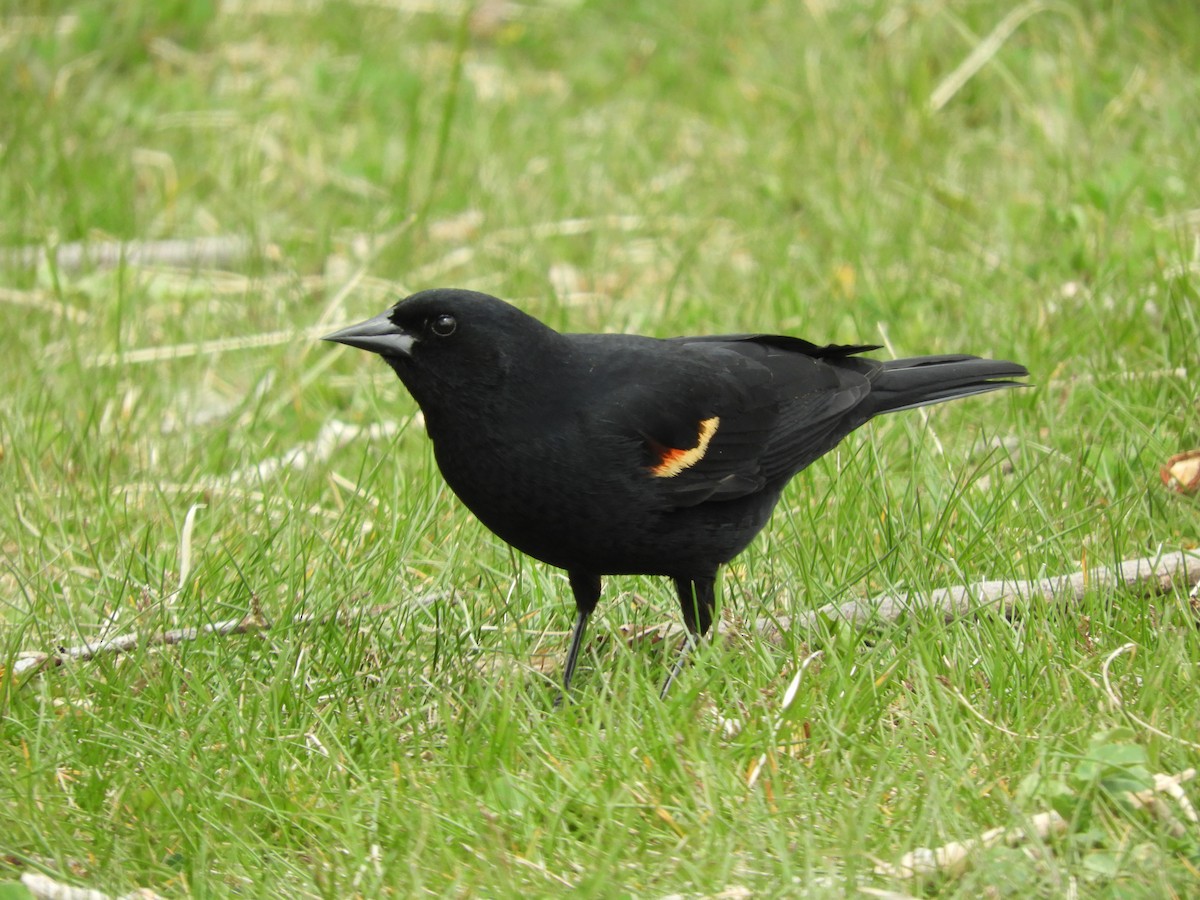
x=207 y=252
x=39 y=300
x=203 y=348
x=185 y=544
x=982 y=53
x=1114 y=698
x=789 y=697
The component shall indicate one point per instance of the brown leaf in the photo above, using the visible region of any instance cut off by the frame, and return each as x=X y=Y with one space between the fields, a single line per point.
x=1182 y=472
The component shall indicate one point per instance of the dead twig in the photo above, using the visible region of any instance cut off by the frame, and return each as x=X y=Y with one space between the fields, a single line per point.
x=123 y=643
x=1150 y=575
x=251 y=623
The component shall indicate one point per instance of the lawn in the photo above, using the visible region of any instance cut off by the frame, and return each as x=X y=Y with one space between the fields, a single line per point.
x=192 y=193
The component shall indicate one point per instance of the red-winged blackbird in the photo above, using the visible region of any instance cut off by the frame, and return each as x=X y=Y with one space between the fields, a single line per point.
x=614 y=454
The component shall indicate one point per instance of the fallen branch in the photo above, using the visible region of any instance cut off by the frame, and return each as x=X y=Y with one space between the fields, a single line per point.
x=251 y=623
x=1150 y=575
x=123 y=643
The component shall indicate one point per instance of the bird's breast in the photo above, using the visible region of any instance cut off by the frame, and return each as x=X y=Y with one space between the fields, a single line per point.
x=552 y=495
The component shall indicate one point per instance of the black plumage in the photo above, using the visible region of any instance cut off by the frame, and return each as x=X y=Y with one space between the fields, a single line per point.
x=610 y=454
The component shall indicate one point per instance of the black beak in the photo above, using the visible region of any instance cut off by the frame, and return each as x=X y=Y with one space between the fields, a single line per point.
x=379 y=335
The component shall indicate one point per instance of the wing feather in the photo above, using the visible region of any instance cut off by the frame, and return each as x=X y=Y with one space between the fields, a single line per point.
x=776 y=403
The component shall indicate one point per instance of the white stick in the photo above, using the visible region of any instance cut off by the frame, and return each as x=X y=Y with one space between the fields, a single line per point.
x=1152 y=575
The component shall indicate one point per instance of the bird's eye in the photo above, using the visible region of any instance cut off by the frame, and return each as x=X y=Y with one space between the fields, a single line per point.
x=443 y=325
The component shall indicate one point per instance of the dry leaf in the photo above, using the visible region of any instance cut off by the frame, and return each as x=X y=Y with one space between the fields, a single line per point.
x=1182 y=472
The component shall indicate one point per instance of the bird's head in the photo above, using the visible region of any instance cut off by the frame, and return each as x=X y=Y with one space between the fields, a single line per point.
x=452 y=347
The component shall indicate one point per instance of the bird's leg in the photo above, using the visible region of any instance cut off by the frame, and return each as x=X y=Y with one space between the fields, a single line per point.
x=689 y=643
x=586 y=588
x=581 y=620
x=698 y=600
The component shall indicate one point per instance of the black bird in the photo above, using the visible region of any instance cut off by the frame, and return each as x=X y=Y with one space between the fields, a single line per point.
x=615 y=454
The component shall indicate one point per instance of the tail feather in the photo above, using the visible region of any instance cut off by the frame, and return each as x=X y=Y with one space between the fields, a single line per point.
x=922 y=380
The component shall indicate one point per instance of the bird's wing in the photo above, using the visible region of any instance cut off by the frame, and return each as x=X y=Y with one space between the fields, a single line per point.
x=721 y=417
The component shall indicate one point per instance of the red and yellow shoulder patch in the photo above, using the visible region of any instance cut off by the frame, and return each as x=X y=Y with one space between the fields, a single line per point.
x=673 y=460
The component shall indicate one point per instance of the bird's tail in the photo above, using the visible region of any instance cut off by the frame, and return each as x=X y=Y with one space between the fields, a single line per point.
x=922 y=380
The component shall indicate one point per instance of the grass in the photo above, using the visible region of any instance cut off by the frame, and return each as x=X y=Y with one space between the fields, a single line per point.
x=671 y=169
